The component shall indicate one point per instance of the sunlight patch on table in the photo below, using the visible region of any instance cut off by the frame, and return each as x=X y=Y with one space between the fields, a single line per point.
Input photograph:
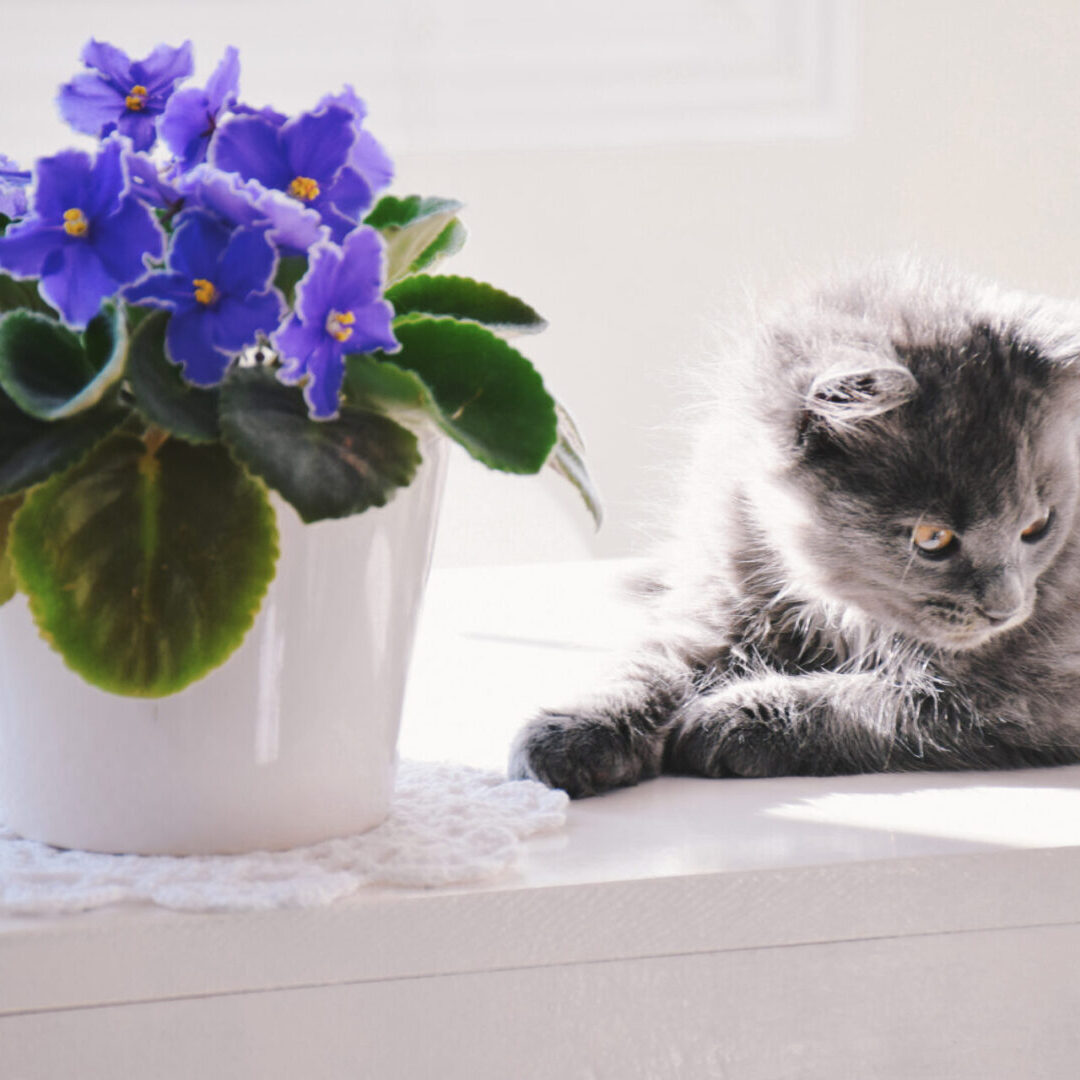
x=1023 y=817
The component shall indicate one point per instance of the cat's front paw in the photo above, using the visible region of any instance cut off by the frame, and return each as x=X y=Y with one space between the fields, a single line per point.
x=583 y=755
x=731 y=733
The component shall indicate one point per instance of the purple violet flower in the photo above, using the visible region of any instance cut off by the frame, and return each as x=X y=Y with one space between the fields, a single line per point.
x=339 y=310
x=367 y=156
x=293 y=227
x=88 y=235
x=191 y=116
x=150 y=185
x=218 y=287
x=121 y=94
x=13 y=184
x=306 y=157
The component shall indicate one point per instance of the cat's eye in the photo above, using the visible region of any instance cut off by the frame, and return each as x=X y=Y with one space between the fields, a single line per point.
x=933 y=539
x=1038 y=528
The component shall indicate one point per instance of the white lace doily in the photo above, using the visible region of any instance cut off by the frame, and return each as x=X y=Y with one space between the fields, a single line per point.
x=449 y=824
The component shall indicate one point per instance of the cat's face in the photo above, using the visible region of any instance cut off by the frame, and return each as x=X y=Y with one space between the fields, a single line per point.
x=937 y=515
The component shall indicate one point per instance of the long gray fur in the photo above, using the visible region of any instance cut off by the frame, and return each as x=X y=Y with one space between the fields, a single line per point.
x=799 y=630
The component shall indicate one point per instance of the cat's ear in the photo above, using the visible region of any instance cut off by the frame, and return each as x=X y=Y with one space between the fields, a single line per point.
x=859 y=387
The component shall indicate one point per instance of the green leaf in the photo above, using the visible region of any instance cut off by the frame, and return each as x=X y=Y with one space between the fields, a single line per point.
x=8 y=507
x=325 y=469
x=291 y=268
x=49 y=372
x=145 y=571
x=383 y=386
x=136 y=316
x=490 y=398
x=161 y=393
x=412 y=226
x=463 y=298
x=568 y=460
x=394 y=211
x=449 y=242
x=32 y=450
x=16 y=295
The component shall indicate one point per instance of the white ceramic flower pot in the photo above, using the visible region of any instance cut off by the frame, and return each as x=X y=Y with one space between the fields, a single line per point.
x=290 y=742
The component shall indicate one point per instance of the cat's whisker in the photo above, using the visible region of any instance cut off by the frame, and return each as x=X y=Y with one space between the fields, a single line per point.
x=914 y=551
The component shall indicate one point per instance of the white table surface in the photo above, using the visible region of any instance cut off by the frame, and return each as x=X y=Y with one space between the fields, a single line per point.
x=499 y=643
x=893 y=926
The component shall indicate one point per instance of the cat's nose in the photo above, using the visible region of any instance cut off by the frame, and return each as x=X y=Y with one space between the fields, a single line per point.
x=1002 y=597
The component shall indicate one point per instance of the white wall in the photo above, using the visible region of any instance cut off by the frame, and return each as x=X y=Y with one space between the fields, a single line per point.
x=947 y=126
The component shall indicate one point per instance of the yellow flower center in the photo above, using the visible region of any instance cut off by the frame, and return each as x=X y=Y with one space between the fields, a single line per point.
x=205 y=292
x=75 y=223
x=339 y=325
x=304 y=188
x=136 y=100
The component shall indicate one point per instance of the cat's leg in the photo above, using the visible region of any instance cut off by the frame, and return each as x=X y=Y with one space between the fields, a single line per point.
x=827 y=723
x=613 y=739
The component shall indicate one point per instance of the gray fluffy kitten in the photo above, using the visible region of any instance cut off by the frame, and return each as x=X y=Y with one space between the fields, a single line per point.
x=877 y=562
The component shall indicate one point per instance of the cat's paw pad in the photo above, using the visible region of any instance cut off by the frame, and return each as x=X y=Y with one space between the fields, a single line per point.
x=581 y=755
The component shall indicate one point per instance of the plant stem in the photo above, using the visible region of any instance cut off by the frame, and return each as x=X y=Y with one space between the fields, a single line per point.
x=154 y=437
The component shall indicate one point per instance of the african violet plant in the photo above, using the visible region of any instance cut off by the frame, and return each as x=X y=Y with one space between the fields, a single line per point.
x=211 y=306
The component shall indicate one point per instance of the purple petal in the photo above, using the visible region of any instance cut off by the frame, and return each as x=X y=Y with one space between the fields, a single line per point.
x=247 y=264
x=271 y=116
x=149 y=185
x=293 y=226
x=112 y=62
x=322 y=390
x=373 y=329
x=222 y=86
x=138 y=127
x=166 y=290
x=8 y=166
x=350 y=193
x=315 y=293
x=62 y=181
x=189 y=342
x=318 y=144
x=371 y=161
x=106 y=182
x=367 y=156
x=223 y=194
x=359 y=280
x=14 y=202
x=295 y=342
x=25 y=247
x=347 y=99
x=186 y=125
x=163 y=67
x=78 y=286
x=89 y=104
x=338 y=224
x=249 y=145
x=197 y=245
x=190 y=117
x=124 y=239
x=54 y=261
x=237 y=323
